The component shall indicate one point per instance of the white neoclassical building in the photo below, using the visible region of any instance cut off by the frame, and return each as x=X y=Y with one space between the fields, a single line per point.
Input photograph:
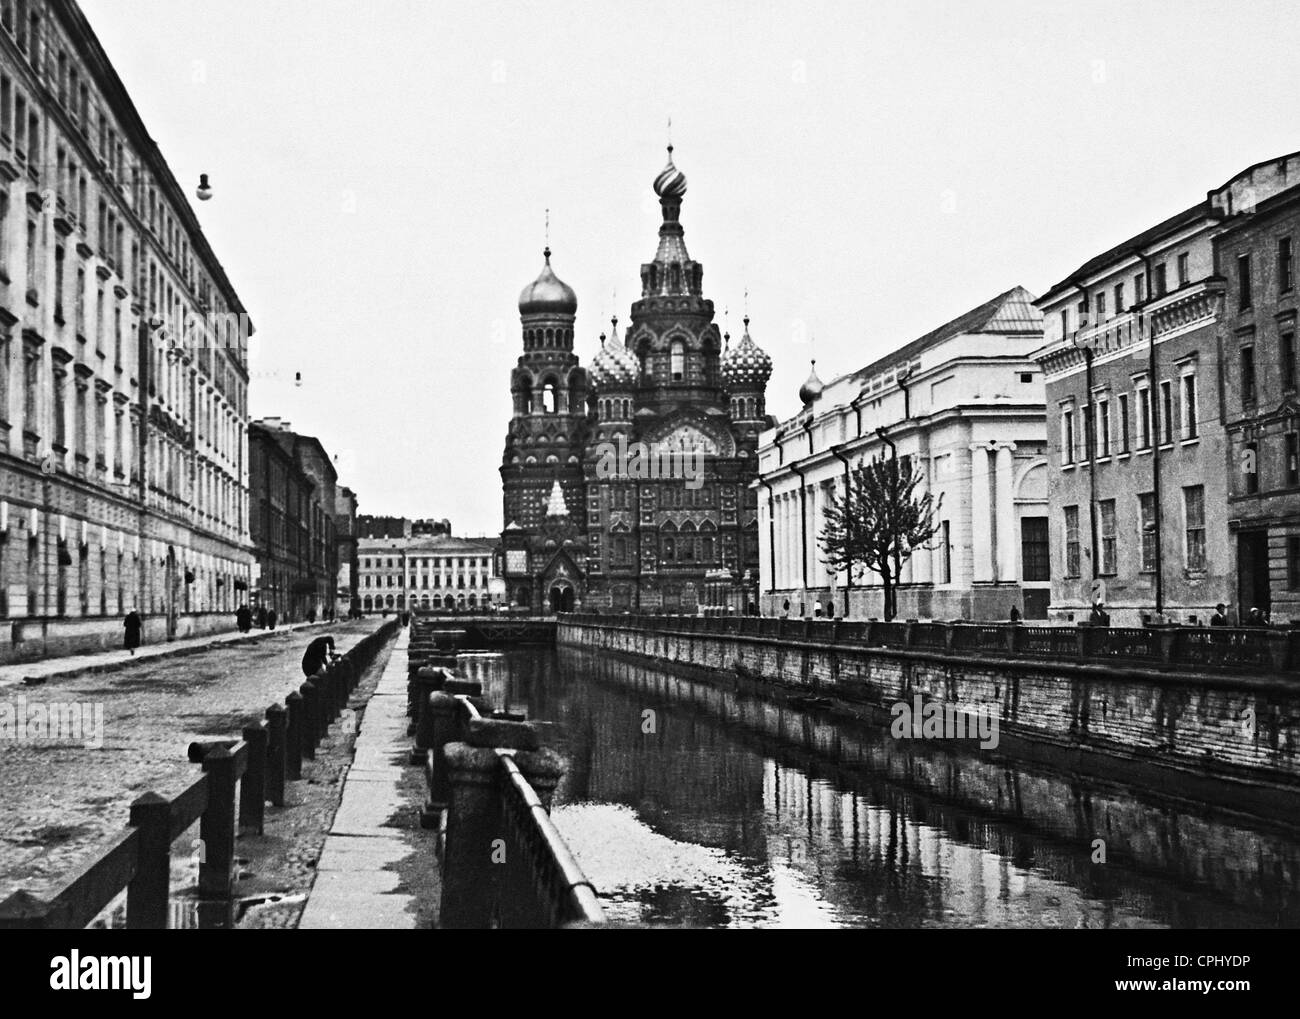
x=964 y=402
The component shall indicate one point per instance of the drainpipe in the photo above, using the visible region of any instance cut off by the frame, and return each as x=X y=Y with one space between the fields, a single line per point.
x=1154 y=427
x=838 y=453
x=1089 y=431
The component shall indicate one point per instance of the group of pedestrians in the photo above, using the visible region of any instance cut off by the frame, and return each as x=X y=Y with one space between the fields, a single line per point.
x=245 y=620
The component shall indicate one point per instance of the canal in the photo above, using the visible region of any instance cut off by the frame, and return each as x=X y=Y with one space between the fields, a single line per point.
x=687 y=802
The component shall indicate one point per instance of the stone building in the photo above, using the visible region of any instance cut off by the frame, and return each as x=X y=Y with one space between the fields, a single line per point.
x=430 y=572
x=293 y=486
x=964 y=403
x=123 y=364
x=1255 y=253
x=1135 y=358
x=347 y=600
x=627 y=488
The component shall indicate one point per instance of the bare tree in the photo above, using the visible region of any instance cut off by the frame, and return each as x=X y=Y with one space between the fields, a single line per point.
x=878 y=522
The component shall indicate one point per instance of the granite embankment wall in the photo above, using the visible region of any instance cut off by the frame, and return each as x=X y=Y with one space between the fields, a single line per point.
x=1230 y=739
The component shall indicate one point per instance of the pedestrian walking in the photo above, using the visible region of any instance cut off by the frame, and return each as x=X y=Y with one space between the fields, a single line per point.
x=261 y=617
x=270 y=619
x=1014 y=615
x=243 y=619
x=1099 y=617
x=132 y=625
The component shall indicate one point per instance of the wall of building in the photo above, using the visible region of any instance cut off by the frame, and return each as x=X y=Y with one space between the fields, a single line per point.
x=1187 y=732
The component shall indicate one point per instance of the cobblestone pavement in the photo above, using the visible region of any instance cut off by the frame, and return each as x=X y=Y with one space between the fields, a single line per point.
x=109 y=661
x=61 y=799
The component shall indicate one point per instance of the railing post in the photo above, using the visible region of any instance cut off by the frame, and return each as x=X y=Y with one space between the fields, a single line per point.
x=293 y=735
x=275 y=754
x=426 y=682
x=441 y=709
x=217 y=826
x=146 y=895
x=310 y=719
x=252 y=787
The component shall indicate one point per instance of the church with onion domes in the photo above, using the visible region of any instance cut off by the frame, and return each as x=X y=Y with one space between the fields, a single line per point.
x=626 y=485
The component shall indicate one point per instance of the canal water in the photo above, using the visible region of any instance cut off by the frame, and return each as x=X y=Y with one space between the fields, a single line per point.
x=690 y=803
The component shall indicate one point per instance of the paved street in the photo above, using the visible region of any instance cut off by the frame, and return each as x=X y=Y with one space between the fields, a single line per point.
x=62 y=798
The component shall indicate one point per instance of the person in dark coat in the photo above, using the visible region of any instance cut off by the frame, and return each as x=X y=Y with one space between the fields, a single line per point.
x=261 y=617
x=270 y=619
x=1220 y=617
x=320 y=652
x=1100 y=617
x=243 y=619
x=1015 y=614
x=133 y=625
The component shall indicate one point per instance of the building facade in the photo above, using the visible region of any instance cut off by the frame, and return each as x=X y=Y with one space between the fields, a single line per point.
x=123 y=364
x=347 y=601
x=1139 y=375
x=965 y=404
x=627 y=487
x=430 y=573
x=1255 y=253
x=294 y=499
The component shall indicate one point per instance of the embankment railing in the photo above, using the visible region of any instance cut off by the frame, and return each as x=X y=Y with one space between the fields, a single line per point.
x=490 y=784
x=1210 y=648
x=238 y=779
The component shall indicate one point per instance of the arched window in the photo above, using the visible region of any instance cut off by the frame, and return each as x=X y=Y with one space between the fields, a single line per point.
x=367 y=603
x=708 y=552
x=550 y=397
x=677 y=360
x=686 y=543
x=668 y=543
x=449 y=602
x=620 y=549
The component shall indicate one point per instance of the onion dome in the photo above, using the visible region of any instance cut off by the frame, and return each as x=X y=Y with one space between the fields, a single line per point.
x=548 y=294
x=671 y=182
x=614 y=366
x=812 y=387
x=746 y=364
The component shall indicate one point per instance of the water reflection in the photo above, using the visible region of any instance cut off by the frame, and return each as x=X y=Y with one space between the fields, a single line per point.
x=690 y=804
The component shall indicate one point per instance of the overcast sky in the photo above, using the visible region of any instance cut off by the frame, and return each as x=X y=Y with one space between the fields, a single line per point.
x=867 y=170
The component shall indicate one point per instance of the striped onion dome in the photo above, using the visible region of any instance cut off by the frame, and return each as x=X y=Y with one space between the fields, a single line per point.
x=671 y=182
x=614 y=366
x=746 y=364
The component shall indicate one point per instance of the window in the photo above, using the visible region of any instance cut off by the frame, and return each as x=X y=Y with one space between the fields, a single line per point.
x=1166 y=412
x=1293 y=561
x=1035 y=557
x=946 y=550
x=1101 y=305
x=1106 y=513
x=1182 y=269
x=1194 y=522
x=1065 y=322
x=1071 y=541
x=1067 y=437
x=1159 y=283
x=1119 y=298
x=1285 y=275
x=1244 y=302
x=1026 y=377
x=1103 y=427
x=1248 y=394
x=1123 y=423
x=1286 y=350
x=1147 y=530
x=1190 y=422
x=1292 y=459
x=677 y=360
x=1139 y=288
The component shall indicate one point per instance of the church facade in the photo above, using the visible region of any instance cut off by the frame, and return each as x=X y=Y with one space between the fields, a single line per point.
x=627 y=487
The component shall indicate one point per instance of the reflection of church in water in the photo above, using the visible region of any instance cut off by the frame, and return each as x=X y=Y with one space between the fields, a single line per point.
x=578 y=537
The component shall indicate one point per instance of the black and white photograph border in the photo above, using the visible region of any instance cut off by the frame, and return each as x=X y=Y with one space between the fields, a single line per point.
x=399 y=531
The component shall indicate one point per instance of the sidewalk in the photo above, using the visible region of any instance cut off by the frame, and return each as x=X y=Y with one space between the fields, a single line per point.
x=119 y=658
x=377 y=868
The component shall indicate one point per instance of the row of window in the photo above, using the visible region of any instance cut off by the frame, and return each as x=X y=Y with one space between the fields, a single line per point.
x=1108 y=429
x=423 y=580
x=426 y=562
x=1193 y=551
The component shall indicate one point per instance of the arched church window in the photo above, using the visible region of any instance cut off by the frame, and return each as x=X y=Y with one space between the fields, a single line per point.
x=677 y=360
x=550 y=398
x=620 y=550
x=686 y=543
x=668 y=543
